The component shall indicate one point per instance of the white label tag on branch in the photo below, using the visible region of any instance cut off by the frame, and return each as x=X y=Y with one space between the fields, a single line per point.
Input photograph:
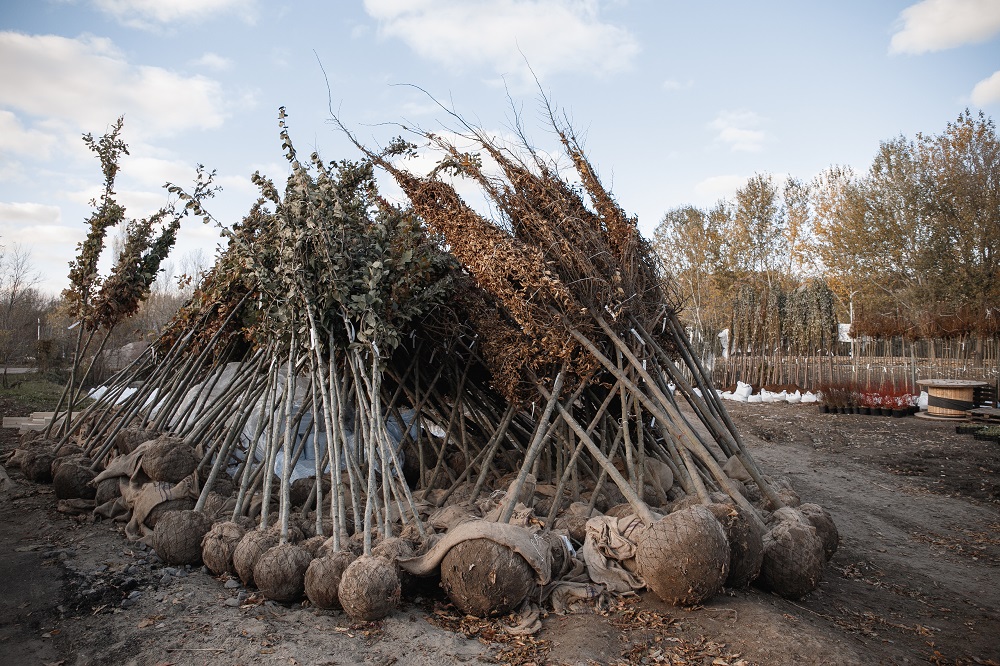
x=652 y=422
x=638 y=337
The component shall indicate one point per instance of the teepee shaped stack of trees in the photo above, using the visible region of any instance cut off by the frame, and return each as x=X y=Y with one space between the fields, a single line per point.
x=427 y=354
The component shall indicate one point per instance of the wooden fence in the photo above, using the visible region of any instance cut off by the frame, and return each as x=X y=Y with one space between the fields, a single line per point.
x=865 y=362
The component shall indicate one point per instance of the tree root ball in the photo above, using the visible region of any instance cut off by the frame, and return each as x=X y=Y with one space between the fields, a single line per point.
x=369 y=589
x=574 y=521
x=394 y=549
x=302 y=488
x=685 y=502
x=223 y=485
x=820 y=518
x=620 y=510
x=281 y=571
x=323 y=578
x=562 y=562
x=128 y=439
x=746 y=543
x=484 y=578
x=294 y=534
x=72 y=481
x=751 y=491
x=793 y=556
x=218 y=546
x=253 y=544
x=313 y=545
x=37 y=465
x=788 y=497
x=107 y=490
x=163 y=508
x=684 y=557
x=178 y=535
x=67 y=451
x=169 y=459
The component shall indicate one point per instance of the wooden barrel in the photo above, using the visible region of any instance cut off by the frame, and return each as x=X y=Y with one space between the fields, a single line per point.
x=950 y=398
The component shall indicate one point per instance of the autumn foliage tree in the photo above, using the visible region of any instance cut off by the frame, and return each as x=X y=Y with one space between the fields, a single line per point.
x=912 y=243
x=916 y=239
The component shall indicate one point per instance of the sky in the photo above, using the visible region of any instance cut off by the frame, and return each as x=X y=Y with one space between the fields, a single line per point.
x=677 y=102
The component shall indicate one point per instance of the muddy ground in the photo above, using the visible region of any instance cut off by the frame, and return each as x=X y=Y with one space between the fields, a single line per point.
x=916 y=579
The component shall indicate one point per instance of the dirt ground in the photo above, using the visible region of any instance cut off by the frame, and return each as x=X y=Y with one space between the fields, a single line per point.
x=916 y=579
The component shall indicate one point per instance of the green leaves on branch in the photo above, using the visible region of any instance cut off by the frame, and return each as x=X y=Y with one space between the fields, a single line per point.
x=103 y=303
x=333 y=247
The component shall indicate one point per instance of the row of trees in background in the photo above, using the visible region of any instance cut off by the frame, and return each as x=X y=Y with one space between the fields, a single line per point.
x=35 y=327
x=909 y=249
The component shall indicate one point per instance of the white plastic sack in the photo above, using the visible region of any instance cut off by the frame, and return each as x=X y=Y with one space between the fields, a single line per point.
x=754 y=398
x=770 y=396
x=794 y=398
x=809 y=396
x=744 y=390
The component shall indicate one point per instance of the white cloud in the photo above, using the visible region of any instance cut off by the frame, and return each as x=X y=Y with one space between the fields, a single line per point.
x=26 y=213
x=554 y=36
x=86 y=83
x=935 y=25
x=14 y=138
x=39 y=229
x=714 y=188
x=987 y=91
x=213 y=61
x=148 y=14
x=737 y=130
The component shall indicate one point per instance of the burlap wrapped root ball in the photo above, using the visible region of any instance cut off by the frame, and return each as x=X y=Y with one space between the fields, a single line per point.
x=218 y=546
x=484 y=578
x=821 y=519
x=281 y=571
x=684 y=557
x=67 y=452
x=109 y=489
x=394 y=549
x=163 y=508
x=313 y=545
x=72 y=480
x=178 y=535
x=253 y=544
x=323 y=578
x=793 y=555
x=37 y=465
x=746 y=543
x=128 y=439
x=169 y=459
x=574 y=521
x=782 y=487
x=293 y=534
x=562 y=561
x=302 y=488
x=369 y=589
